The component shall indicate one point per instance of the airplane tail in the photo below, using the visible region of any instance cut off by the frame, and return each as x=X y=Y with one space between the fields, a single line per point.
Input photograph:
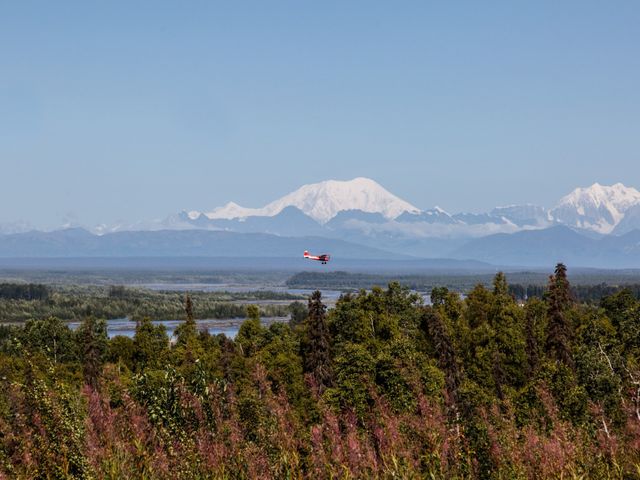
x=306 y=253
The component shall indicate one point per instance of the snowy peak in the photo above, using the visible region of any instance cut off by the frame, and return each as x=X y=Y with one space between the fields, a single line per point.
x=598 y=208
x=615 y=196
x=232 y=210
x=323 y=201
x=523 y=215
x=430 y=216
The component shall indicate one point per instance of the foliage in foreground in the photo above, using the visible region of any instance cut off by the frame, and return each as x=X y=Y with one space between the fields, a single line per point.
x=378 y=387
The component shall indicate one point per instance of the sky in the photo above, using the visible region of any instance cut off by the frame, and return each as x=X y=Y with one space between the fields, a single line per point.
x=126 y=111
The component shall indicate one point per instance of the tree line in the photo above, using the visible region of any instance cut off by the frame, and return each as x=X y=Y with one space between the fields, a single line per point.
x=380 y=386
x=27 y=291
x=581 y=293
x=25 y=302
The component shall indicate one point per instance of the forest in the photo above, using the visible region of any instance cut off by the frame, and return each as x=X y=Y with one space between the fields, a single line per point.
x=380 y=386
x=587 y=286
x=21 y=302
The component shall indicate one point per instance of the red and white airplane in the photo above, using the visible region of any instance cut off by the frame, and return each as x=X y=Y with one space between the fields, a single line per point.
x=324 y=258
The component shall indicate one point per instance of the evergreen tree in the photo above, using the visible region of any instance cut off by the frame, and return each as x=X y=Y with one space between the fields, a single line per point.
x=535 y=311
x=479 y=304
x=437 y=330
x=559 y=301
x=93 y=342
x=624 y=310
x=188 y=348
x=500 y=286
x=188 y=307
x=316 y=347
x=187 y=332
x=508 y=344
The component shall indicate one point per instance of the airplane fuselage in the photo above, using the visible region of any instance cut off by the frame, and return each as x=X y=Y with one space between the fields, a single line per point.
x=324 y=258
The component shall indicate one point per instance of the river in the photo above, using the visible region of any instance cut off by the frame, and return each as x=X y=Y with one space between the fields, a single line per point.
x=226 y=326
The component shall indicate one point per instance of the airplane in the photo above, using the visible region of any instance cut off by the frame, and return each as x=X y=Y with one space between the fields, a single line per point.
x=324 y=258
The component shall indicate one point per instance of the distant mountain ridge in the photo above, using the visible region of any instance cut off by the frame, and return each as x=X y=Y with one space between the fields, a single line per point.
x=363 y=214
x=551 y=245
x=77 y=242
x=527 y=248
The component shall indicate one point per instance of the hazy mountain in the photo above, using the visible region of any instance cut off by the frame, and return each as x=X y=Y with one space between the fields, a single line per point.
x=555 y=244
x=176 y=243
x=629 y=244
x=58 y=243
x=15 y=227
x=630 y=221
x=349 y=219
x=290 y=221
x=433 y=215
x=523 y=215
x=479 y=219
x=599 y=208
x=541 y=247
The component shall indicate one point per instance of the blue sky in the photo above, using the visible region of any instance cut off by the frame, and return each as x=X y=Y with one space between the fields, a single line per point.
x=135 y=110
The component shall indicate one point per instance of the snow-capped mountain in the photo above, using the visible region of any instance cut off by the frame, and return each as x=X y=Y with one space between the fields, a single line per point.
x=324 y=200
x=433 y=215
x=362 y=205
x=598 y=208
x=527 y=215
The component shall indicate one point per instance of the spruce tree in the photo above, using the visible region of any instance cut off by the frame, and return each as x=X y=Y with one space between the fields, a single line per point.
x=532 y=342
x=500 y=285
x=188 y=307
x=92 y=340
x=316 y=347
x=559 y=301
x=187 y=332
x=188 y=348
x=507 y=342
x=443 y=345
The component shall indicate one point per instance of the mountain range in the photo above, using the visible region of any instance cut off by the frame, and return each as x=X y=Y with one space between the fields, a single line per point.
x=595 y=226
x=363 y=204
